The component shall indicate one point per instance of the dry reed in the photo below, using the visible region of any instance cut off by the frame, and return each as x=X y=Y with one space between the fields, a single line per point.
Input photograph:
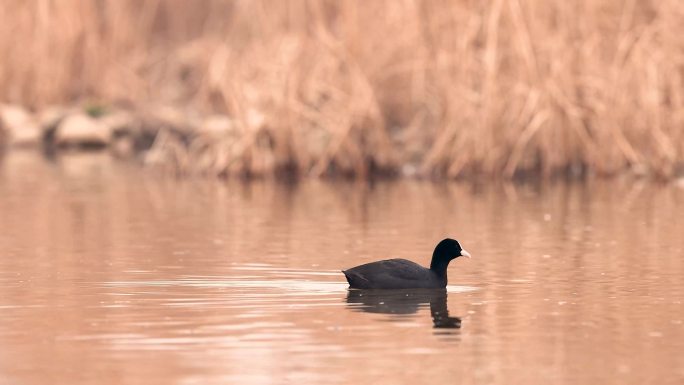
x=452 y=88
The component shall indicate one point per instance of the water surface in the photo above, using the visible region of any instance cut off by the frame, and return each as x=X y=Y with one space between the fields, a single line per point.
x=111 y=274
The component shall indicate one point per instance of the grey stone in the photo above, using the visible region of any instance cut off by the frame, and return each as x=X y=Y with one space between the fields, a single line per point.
x=20 y=127
x=80 y=130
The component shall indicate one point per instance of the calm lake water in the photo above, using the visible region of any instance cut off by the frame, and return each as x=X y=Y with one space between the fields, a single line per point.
x=112 y=274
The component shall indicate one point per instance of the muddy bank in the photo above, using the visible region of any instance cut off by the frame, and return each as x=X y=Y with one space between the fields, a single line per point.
x=253 y=146
x=188 y=142
x=155 y=136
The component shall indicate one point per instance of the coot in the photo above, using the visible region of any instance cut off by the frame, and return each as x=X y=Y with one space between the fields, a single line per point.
x=404 y=274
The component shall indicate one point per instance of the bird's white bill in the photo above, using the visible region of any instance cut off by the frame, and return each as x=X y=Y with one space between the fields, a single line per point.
x=465 y=254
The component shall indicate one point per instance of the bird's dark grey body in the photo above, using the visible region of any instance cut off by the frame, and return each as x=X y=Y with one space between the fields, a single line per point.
x=405 y=274
x=394 y=274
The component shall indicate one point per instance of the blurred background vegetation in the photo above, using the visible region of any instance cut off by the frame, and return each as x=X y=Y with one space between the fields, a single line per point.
x=500 y=88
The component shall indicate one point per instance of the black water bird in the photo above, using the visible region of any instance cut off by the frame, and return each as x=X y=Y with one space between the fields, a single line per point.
x=405 y=274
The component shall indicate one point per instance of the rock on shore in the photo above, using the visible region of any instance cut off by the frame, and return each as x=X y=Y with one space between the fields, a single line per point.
x=18 y=127
x=83 y=131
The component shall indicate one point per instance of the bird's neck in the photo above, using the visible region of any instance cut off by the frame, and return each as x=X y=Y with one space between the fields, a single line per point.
x=439 y=266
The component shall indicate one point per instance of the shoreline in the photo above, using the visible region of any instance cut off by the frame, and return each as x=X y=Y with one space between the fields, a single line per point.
x=220 y=146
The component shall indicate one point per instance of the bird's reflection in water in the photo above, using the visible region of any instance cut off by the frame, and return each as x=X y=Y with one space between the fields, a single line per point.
x=405 y=302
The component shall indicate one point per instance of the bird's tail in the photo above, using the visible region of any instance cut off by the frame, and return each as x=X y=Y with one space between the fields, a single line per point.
x=355 y=280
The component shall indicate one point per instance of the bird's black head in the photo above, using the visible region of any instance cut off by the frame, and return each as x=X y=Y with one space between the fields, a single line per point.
x=449 y=249
x=445 y=251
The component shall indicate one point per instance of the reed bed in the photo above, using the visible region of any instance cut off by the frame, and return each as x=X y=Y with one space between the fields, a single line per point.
x=438 y=88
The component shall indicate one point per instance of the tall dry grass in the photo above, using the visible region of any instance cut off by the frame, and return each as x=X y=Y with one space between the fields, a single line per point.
x=453 y=88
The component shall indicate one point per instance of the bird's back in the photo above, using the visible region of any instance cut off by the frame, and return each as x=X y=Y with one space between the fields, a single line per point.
x=392 y=274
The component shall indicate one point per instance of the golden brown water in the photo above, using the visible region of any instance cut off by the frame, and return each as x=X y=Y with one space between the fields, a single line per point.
x=112 y=275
